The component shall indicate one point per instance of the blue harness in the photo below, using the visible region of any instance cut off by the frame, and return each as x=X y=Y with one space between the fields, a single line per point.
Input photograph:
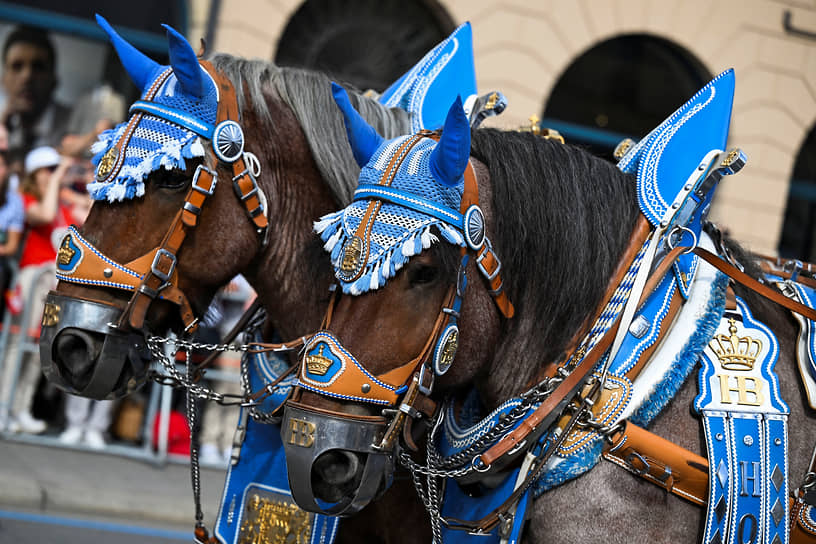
x=257 y=502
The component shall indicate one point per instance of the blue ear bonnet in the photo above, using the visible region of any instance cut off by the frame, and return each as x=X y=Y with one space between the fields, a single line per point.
x=397 y=232
x=154 y=142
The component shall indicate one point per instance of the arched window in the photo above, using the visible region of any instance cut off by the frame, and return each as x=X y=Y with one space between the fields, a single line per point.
x=798 y=239
x=366 y=43
x=622 y=87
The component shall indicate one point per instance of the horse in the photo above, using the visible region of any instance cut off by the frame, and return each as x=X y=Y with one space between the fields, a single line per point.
x=306 y=167
x=404 y=337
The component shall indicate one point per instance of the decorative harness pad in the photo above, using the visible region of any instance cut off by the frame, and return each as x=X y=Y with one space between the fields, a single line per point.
x=430 y=86
x=745 y=423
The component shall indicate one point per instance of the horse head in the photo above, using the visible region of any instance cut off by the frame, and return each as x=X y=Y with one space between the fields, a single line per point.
x=151 y=254
x=404 y=249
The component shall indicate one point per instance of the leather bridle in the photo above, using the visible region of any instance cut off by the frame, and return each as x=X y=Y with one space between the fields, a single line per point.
x=153 y=275
x=407 y=387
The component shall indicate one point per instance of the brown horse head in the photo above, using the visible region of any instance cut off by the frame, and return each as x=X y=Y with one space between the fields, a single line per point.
x=429 y=312
x=220 y=170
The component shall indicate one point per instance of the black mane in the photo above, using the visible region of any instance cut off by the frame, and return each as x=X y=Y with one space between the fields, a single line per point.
x=564 y=217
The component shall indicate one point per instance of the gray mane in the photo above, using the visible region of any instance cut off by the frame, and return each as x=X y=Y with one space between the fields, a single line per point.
x=308 y=93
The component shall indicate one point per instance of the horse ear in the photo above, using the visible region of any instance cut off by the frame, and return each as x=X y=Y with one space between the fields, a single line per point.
x=450 y=157
x=139 y=66
x=363 y=138
x=185 y=63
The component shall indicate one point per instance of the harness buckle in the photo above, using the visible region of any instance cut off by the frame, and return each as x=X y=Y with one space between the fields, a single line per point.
x=201 y=168
x=163 y=276
x=488 y=250
x=237 y=186
x=425 y=390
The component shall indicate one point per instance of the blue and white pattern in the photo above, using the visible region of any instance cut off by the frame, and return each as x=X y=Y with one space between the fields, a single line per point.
x=745 y=423
x=155 y=143
x=806 y=345
x=663 y=160
x=428 y=88
x=397 y=232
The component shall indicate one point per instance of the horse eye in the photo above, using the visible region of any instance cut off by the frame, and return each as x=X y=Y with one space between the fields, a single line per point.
x=170 y=179
x=423 y=274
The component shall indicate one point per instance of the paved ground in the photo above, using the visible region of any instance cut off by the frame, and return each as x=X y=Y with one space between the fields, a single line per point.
x=52 y=480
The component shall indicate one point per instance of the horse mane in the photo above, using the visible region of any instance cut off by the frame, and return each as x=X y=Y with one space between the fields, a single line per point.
x=563 y=219
x=308 y=94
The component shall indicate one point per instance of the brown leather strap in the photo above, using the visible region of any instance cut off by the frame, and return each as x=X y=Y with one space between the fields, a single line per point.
x=784 y=274
x=486 y=259
x=245 y=185
x=653 y=458
x=639 y=235
x=548 y=411
x=739 y=276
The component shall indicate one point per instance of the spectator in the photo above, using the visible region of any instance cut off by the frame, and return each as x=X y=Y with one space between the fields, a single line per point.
x=11 y=224
x=88 y=421
x=31 y=114
x=46 y=221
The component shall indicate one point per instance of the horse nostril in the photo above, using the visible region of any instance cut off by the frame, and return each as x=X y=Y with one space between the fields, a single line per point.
x=336 y=474
x=337 y=467
x=76 y=353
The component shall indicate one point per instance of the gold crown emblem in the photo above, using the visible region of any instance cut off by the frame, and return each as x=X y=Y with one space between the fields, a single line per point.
x=66 y=252
x=318 y=364
x=735 y=352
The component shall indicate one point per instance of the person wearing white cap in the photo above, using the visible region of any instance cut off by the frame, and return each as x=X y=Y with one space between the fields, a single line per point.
x=46 y=222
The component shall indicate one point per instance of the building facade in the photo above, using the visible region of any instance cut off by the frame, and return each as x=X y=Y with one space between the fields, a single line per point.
x=527 y=49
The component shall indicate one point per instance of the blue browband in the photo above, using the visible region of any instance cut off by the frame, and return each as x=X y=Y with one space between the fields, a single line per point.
x=174 y=115
x=411 y=201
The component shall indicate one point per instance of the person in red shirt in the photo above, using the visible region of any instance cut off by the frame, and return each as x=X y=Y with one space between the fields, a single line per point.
x=46 y=222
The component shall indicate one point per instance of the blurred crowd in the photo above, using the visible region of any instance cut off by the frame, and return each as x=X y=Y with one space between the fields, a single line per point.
x=45 y=165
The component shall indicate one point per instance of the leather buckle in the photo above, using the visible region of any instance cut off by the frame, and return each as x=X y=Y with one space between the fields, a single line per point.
x=237 y=186
x=197 y=175
x=163 y=276
x=425 y=390
x=488 y=250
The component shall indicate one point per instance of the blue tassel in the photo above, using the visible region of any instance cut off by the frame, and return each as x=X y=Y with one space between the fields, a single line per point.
x=417 y=245
x=569 y=468
x=335 y=254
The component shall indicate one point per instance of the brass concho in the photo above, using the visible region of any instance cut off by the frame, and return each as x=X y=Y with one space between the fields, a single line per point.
x=269 y=520
x=352 y=257
x=446 y=349
x=66 y=253
x=106 y=164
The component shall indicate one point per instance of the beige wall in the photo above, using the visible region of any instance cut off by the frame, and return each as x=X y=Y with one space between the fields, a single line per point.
x=523 y=46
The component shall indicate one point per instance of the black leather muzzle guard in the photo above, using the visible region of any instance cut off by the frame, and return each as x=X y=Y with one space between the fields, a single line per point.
x=307 y=434
x=119 y=367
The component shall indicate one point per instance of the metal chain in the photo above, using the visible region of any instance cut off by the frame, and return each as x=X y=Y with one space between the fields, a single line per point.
x=193 y=421
x=159 y=346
